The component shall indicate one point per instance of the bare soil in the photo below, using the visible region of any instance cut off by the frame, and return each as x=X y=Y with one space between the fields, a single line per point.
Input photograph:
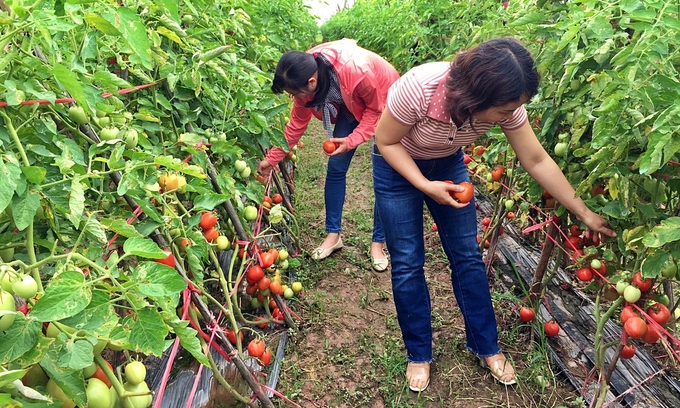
x=348 y=351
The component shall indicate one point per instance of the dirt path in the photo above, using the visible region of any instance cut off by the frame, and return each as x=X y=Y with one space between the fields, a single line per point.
x=349 y=352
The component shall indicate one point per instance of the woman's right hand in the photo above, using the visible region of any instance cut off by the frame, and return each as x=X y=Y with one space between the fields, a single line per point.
x=264 y=167
x=441 y=192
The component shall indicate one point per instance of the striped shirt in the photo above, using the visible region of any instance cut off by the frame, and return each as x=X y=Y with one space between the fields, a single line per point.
x=417 y=99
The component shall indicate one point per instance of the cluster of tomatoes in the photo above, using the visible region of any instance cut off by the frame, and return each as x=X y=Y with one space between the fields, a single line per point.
x=13 y=283
x=268 y=201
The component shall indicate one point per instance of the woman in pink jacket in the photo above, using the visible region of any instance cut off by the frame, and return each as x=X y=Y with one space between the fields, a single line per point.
x=343 y=84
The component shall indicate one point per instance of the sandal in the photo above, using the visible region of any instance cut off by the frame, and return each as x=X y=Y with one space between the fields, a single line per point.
x=501 y=369
x=418 y=376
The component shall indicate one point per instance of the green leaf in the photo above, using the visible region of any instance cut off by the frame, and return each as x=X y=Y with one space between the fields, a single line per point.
x=664 y=233
x=111 y=82
x=654 y=264
x=101 y=24
x=75 y=355
x=24 y=209
x=143 y=247
x=34 y=174
x=8 y=377
x=188 y=338
x=70 y=381
x=148 y=332
x=70 y=81
x=9 y=173
x=98 y=317
x=134 y=32
x=76 y=202
x=95 y=230
x=156 y=280
x=209 y=201
x=66 y=295
x=20 y=338
x=120 y=227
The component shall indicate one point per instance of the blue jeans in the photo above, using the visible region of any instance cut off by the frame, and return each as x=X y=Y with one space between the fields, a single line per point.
x=400 y=206
x=336 y=183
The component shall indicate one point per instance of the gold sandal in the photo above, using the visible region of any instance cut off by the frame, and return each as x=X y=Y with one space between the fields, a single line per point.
x=501 y=369
x=418 y=376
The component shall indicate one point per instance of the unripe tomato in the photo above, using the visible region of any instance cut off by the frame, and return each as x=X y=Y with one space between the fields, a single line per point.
x=283 y=255
x=240 y=165
x=98 y=394
x=250 y=213
x=288 y=293
x=222 y=242
x=109 y=133
x=621 y=286
x=78 y=115
x=561 y=149
x=632 y=294
x=141 y=401
x=297 y=287
x=135 y=372
x=9 y=275
x=8 y=304
x=131 y=137
x=509 y=204
x=56 y=392
x=25 y=288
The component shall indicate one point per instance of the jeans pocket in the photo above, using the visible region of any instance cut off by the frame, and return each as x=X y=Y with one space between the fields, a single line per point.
x=376 y=151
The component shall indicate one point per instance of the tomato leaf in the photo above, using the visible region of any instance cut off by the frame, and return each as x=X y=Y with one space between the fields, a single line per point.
x=188 y=339
x=101 y=24
x=120 y=227
x=134 y=32
x=66 y=295
x=75 y=355
x=24 y=209
x=667 y=231
x=34 y=174
x=156 y=280
x=9 y=173
x=71 y=82
x=208 y=201
x=653 y=264
x=21 y=337
x=67 y=379
x=76 y=202
x=94 y=230
x=148 y=332
x=99 y=316
x=143 y=247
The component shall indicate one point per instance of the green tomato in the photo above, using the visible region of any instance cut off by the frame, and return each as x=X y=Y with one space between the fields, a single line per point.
x=246 y=172
x=78 y=115
x=131 y=137
x=109 y=133
x=103 y=122
x=222 y=242
x=250 y=213
x=89 y=370
x=57 y=393
x=35 y=376
x=119 y=119
x=288 y=293
x=255 y=303
x=141 y=401
x=98 y=394
x=115 y=399
x=621 y=286
x=7 y=254
x=283 y=265
x=9 y=275
x=283 y=255
x=7 y=304
x=632 y=294
x=25 y=288
x=135 y=372
x=240 y=165
x=561 y=149
x=669 y=270
x=509 y=204
x=595 y=264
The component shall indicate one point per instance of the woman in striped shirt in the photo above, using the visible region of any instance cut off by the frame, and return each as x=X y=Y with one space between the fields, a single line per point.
x=432 y=111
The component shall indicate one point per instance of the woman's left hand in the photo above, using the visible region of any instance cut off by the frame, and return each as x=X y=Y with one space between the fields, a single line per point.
x=597 y=226
x=342 y=145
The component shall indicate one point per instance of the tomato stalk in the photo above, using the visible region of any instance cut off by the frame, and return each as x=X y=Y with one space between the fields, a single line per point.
x=230 y=294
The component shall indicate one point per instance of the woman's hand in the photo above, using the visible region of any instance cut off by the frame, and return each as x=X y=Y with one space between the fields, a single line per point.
x=264 y=167
x=597 y=226
x=341 y=142
x=441 y=192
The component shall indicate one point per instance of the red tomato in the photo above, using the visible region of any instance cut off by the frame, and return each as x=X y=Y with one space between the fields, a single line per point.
x=464 y=196
x=99 y=373
x=277 y=314
x=256 y=348
x=276 y=288
x=274 y=252
x=265 y=358
x=635 y=327
x=627 y=312
x=231 y=335
x=584 y=274
x=574 y=243
x=575 y=230
x=264 y=323
x=268 y=259
x=251 y=289
x=184 y=243
x=526 y=314
x=497 y=173
x=601 y=271
x=329 y=147
x=208 y=220
x=168 y=260
x=277 y=199
x=551 y=328
x=254 y=274
x=652 y=335
x=659 y=313
x=467 y=159
x=510 y=215
x=628 y=351
x=642 y=283
x=434 y=226
x=211 y=234
x=479 y=150
x=267 y=199
x=263 y=284
x=486 y=221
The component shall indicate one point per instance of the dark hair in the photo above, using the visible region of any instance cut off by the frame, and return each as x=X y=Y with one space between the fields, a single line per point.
x=494 y=73
x=294 y=70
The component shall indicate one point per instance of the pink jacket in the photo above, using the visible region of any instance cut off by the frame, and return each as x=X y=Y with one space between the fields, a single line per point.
x=364 y=80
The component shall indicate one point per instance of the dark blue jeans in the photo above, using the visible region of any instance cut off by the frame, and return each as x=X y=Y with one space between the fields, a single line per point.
x=336 y=183
x=400 y=206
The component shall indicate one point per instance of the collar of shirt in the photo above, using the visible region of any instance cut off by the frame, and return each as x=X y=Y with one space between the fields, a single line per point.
x=437 y=109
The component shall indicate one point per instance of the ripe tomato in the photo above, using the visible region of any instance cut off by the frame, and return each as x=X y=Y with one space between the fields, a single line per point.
x=657 y=311
x=486 y=221
x=135 y=372
x=78 y=115
x=99 y=373
x=254 y=274
x=574 y=242
x=497 y=173
x=277 y=314
x=479 y=150
x=251 y=289
x=256 y=348
x=222 y=242
x=329 y=147
x=642 y=283
x=464 y=196
x=276 y=288
x=635 y=327
x=268 y=259
x=265 y=358
x=263 y=284
x=551 y=328
x=467 y=159
x=208 y=220
x=264 y=323
x=575 y=230
x=601 y=271
x=211 y=234
x=510 y=215
x=434 y=227
x=231 y=335
x=184 y=243
x=168 y=260
x=652 y=335
x=277 y=199
x=628 y=351
x=627 y=312
x=584 y=274
x=526 y=314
